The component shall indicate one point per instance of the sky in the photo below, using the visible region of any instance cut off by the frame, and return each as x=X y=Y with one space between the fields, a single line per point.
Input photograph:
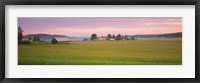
x=102 y=26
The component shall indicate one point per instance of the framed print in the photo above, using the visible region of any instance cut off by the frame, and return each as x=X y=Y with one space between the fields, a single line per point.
x=100 y=41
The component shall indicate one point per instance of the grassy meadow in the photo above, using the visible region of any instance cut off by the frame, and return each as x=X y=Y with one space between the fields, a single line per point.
x=128 y=52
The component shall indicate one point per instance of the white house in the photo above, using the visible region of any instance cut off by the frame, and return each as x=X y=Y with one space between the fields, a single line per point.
x=111 y=39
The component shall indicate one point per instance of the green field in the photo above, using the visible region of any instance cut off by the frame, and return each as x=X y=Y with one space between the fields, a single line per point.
x=130 y=52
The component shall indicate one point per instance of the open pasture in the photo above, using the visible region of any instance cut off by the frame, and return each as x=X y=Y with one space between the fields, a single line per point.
x=129 y=52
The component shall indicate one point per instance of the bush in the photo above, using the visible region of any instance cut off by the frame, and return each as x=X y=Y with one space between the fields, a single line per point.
x=20 y=42
x=27 y=42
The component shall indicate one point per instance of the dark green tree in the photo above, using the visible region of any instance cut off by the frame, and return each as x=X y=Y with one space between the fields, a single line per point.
x=20 y=34
x=118 y=37
x=126 y=37
x=36 y=38
x=113 y=36
x=93 y=36
x=109 y=36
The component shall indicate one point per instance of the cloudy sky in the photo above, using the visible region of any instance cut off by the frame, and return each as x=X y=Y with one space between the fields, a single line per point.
x=85 y=26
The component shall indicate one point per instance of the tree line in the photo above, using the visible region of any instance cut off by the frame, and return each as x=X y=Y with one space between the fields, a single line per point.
x=109 y=36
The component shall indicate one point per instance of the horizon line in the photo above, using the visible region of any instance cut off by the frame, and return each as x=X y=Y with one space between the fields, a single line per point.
x=101 y=35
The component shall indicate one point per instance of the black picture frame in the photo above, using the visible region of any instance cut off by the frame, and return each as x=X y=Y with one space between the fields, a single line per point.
x=99 y=2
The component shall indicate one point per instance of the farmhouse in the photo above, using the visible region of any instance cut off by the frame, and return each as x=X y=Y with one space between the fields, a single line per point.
x=102 y=38
x=62 y=40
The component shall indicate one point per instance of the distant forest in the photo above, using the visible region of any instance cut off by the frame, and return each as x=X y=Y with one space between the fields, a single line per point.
x=169 y=35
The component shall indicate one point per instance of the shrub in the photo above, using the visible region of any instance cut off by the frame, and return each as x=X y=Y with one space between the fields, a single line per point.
x=28 y=42
x=20 y=42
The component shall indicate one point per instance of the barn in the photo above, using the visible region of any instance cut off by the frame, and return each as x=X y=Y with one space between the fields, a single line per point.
x=61 y=40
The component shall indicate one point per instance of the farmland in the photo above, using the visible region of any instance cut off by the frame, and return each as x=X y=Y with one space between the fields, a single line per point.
x=127 y=52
